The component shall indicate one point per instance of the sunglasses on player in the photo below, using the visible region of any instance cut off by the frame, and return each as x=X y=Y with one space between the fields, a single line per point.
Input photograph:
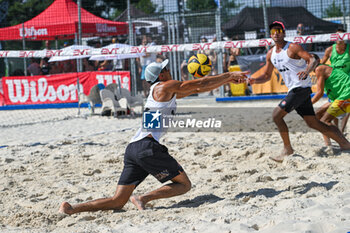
x=276 y=30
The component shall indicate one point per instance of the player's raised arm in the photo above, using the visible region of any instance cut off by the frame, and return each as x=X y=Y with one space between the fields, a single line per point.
x=327 y=55
x=320 y=87
x=268 y=68
x=186 y=88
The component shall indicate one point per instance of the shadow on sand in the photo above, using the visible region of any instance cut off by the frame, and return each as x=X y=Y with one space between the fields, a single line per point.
x=195 y=202
x=301 y=189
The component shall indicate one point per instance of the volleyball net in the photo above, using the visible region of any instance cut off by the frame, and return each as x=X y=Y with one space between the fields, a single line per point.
x=193 y=47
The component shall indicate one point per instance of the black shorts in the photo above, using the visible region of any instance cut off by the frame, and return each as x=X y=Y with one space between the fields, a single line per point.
x=300 y=100
x=148 y=156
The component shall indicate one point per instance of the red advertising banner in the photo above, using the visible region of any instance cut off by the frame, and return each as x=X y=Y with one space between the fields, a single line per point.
x=2 y=101
x=59 y=88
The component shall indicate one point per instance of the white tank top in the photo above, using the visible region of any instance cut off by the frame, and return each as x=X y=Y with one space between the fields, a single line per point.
x=165 y=108
x=289 y=67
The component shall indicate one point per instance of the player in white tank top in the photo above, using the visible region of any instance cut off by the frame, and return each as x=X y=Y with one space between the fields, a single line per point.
x=166 y=108
x=145 y=155
x=294 y=64
x=289 y=68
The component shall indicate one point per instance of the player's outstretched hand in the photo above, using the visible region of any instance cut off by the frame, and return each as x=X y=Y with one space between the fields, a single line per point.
x=250 y=81
x=239 y=76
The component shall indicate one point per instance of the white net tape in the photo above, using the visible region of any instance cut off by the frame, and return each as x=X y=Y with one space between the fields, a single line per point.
x=174 y=47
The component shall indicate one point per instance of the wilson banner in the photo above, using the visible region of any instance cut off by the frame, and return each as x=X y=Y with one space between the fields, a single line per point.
x=60 y=88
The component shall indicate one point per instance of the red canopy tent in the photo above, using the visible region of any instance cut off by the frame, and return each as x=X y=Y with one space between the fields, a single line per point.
x=60 y=21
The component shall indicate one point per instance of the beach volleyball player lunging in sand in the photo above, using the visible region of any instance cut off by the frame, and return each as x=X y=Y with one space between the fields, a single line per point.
x=145 y=155
x=294 y=64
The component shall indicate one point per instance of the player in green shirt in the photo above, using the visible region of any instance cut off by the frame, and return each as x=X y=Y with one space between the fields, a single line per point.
x=340 y=59
x=338 y=55
x=336 y=83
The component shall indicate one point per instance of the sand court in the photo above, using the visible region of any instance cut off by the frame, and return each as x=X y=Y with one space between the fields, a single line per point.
x=50 y=156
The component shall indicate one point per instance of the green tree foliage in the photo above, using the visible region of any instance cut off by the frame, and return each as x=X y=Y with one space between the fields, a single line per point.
x=20 y=11
x=23 y=10
x=197 y=6
x=146 y=6
x=205 y=5
x=110 y=9
x=200 y=5
x=105 y=8
x=333 y=10
x=227 y=7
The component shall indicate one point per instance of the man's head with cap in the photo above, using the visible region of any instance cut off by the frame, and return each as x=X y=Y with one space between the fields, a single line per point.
x=153 y=71
x=277 y=23
x=277 y=32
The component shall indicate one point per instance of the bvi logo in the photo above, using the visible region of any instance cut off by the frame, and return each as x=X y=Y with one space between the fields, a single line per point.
x=152 y=120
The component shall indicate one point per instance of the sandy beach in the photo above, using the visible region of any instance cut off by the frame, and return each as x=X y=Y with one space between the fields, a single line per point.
x=50 y=156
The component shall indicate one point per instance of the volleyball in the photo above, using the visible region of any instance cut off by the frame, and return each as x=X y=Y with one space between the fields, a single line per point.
x=199 y=65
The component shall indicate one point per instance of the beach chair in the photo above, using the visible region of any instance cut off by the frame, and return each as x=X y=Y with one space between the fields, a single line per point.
x=133 y=101
x=93 y=98
x=110 y=103
x=113 y=87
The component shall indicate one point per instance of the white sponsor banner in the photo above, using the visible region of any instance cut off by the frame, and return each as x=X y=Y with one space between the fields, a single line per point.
x=102 y=27
x=174 y=47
